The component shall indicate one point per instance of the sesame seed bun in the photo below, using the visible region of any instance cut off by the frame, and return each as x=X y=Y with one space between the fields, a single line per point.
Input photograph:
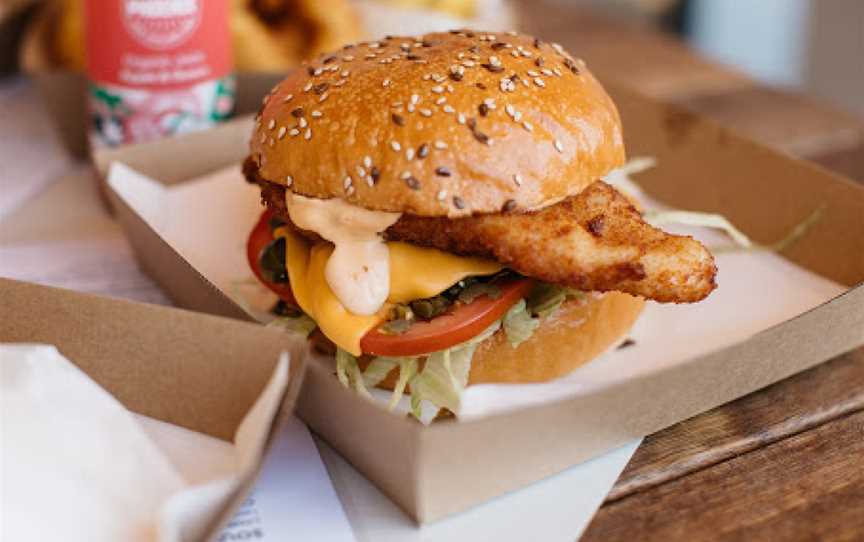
x=579 y=331
x=445 y=124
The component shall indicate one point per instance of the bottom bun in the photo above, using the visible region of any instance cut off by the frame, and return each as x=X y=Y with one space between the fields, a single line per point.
x=580 y=330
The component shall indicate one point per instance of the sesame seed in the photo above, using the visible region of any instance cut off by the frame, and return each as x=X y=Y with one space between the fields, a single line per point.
x=287 y=98
x=405 y=174
x=423 y=151
x=442 y=171
x=350 y=190
x=317 y=114
x=385 y=83
x=323 y=97
x=289 y=180
x=339 y=83
x=468 y=63
x=556 y=71
x=479 y=85
x=398 y=120
x=517 y=116
x=348 y=58
x=308 y=135
x=307 y=87
x=509 y=205
x=441 y=195
x=539 y=82
x=329 y=59
x=271 y=142
x=367 y=161
x=437 y=89
x=441 y=100
x=415 y=99
x=263 y=138
x=533 y=73
x=345 y=73
x=302 y=122
x=440 y=145
x=547 y=72
x=374 y=175
x=558 y=146
x=558 y=48
x=482 y=138
x=271 y=124
x=413 y=183
x=507 y=85
x=297 y=112
x=483 y=109
x=494 y=60
x=318 y=72
x=517 y=179
x=347 y=182
x=490 y=103
x=458 y=202
x=374 y=45
x=409 y=153
x=395 y=146
x=448 y=109
x=293 y=132
x=361 y=172
x=493 y=68
x=528 y=126
x=410 y=108
x=460 y=118
x=282 y=131
x=510 y=110
x=425 y=112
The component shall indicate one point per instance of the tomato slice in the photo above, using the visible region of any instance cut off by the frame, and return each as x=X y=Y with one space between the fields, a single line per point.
x=457 y=326
x=260 y=237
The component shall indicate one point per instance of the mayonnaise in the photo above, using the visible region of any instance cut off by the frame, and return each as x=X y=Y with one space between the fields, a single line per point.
x=358 y=271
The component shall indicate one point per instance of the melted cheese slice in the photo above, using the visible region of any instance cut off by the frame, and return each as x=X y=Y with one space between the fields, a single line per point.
x=415 y=273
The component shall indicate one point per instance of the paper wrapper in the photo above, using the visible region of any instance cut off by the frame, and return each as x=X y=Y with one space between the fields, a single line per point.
x=106 y=479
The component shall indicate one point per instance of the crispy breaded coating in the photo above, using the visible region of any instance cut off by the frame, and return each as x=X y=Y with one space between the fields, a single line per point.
x=594 y=241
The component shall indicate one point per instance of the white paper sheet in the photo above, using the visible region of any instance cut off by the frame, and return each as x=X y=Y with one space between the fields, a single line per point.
x=756 y=289
x=295 y=495
x=73 y=454
x=293 y=498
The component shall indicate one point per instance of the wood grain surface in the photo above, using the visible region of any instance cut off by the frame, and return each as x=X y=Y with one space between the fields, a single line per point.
x=807 y=486
x=786 y=462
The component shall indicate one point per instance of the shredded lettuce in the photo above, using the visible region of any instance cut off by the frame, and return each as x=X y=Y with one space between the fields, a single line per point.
x=546 y=298
x=519 y=324
x=720 y=222
x=620 y=178
x=299 y=324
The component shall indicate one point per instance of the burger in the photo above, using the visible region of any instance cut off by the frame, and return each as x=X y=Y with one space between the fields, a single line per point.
x=436 y=210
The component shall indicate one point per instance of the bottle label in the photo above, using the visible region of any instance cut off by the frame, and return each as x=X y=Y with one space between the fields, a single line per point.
x=157 y=67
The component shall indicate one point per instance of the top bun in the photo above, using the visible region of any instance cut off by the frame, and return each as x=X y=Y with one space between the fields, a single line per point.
x=445 y=124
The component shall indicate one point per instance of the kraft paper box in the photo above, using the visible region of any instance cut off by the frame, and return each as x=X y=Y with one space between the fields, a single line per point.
x=810 y=309
x=200 y=372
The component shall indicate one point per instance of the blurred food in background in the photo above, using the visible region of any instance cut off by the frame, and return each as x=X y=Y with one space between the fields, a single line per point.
x=383 y=17
x=272 y=35
x=266 y=35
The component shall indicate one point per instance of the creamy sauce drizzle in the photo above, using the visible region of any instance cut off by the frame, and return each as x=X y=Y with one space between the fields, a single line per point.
x=358 y=271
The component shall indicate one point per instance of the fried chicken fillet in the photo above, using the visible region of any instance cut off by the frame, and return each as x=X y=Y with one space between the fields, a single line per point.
x=594 y=241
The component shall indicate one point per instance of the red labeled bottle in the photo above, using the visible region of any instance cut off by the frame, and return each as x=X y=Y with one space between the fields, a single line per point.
x=157 y=68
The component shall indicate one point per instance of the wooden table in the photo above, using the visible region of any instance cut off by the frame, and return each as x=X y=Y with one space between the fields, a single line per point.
x=786 y=462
